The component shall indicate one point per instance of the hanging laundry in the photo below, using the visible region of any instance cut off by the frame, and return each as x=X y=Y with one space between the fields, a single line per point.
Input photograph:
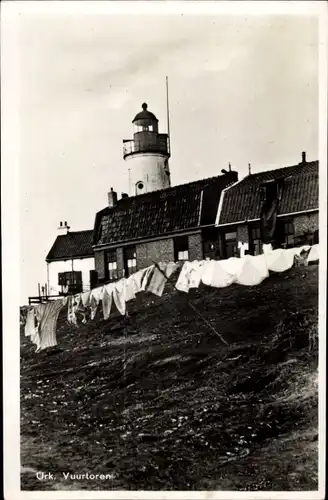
x=196 y=272
x=233 y=265
x=73 y=302
x=190 y=275
x=130 y=288
x=85 y=298
x=314 y=253
x=141 y=278
x=84 y=305
x=208 y=272
x=183 y=283
x=254 y=270
x=30 y=324
x=243 y=247
x=107 y=299
x=35 y=332
x=47 y=315
x=221 y=276
x=267 y=248
x=158 y=280
x=95 y=297
x=221 y=273
x=171 y=267
x=280 y=260
x=119 y=296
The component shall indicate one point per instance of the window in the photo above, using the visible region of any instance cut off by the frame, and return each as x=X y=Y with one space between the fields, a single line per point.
x=230 y=245
x=183 y=255
x=70 y=282
x=93 y=278
x=140 y=185
x=130 y=260
x=289 y=234
x=111 y=260
x=181 y=251
x=256 y=241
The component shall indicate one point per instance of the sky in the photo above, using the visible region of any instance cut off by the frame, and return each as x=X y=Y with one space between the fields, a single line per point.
x=242 y=89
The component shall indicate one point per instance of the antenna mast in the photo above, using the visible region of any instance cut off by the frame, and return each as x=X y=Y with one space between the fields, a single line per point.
x=168 y=113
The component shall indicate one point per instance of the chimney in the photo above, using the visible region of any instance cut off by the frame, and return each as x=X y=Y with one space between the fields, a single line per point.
x=63 y=228
x=112 y=198
x=124 y=195
x=303 y=157
x=232 y=175
x=249 y=169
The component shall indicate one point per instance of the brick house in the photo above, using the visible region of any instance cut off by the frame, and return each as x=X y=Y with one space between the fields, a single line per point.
x=297 y=219
x=172 y=224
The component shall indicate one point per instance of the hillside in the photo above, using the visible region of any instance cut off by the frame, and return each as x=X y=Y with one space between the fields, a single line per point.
x=160 y=403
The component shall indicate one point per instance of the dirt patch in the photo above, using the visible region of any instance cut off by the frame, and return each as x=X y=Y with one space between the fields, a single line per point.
x=159 y=402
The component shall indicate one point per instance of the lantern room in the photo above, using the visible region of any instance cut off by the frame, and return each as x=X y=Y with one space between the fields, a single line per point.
x=148 y=153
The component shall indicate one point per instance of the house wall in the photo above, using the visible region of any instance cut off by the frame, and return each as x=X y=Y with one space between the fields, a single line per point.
x=155 y=251
x=84 y=265
x=150 y=252
x=100 y=264
x=242 y=233
x=195 y=247
x=302 y=223
x=306 y=222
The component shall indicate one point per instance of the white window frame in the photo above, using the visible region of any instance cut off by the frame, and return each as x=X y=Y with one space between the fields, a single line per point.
x=183 y=255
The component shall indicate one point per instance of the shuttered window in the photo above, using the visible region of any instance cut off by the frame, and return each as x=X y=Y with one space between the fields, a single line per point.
x=111 y=263
x=181 y=250
x=70 y=281
x=130 y=260
x=256 y=241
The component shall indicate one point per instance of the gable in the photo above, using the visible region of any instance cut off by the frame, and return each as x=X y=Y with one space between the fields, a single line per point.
x=242 y=202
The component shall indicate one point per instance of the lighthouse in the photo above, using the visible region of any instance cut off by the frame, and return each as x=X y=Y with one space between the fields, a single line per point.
x=147 y=155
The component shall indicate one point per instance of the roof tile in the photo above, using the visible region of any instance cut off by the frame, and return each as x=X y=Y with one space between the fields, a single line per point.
x=161 y=212
x=301 y=192
x=73 y=244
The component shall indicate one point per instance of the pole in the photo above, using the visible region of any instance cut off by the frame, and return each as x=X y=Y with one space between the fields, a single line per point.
x=48 y=281
x=168 y=113
x=72 y=275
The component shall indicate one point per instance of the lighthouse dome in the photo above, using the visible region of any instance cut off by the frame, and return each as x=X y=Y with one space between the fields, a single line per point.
x=144 y=116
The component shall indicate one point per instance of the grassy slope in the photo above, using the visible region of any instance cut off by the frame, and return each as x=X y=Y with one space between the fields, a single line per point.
x=161 y=403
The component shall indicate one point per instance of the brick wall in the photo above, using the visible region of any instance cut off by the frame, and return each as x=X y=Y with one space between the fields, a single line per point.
x=242 y=233
x=157 y=251
x=195 y=247
x=306 y=222
x=100 y=264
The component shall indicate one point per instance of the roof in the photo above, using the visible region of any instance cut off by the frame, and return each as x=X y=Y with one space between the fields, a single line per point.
x=242 y=201
x=75 y=244
x=145 y=115
x=166 y=211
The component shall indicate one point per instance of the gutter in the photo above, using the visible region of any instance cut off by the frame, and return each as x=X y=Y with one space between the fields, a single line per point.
x=64 y=259
x=164 y=236
x=257 y=219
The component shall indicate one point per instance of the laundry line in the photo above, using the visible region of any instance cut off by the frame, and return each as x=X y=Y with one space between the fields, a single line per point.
x=198 y=313
x=41 y=319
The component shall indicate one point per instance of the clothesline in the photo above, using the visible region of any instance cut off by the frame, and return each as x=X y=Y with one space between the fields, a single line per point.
x=200 y=315
x=41 y=319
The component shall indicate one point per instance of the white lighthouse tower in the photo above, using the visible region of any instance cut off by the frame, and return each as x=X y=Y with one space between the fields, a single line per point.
x=148 y=155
